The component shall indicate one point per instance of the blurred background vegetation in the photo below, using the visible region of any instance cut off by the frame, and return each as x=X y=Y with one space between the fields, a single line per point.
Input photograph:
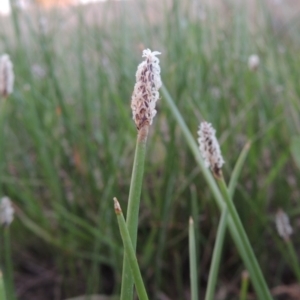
x=67 y=141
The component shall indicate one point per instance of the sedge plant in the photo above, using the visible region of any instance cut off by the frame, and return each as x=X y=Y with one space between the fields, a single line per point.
x=144 y=97
x=211 y=153
x=223 y=200
x=216 y=257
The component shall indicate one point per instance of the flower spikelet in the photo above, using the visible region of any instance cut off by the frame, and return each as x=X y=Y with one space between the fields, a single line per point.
x=209 y=148
x=6 y=211
x=145 y=93
x=6 y=75
x=283 y=226
x=253 y=62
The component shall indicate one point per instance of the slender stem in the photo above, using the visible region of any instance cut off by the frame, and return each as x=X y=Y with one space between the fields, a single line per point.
x=222 y=226
x=193 y=261
x=36 y=229
x=8 y=265
x=2 y=288
x=215 y=263
x=237 y=169
x=243 y=248
x=294 y=259
x=133 y=208
x=256 y=272
x=130 y=253
x=245 y=285
x=3 y=115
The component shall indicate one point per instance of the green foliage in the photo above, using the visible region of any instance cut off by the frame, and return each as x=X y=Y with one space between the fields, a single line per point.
x=295 y=149
x=69 y=138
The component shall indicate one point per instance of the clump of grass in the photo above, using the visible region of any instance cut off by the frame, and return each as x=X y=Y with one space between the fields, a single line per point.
x=69 y=138
x=213 y=158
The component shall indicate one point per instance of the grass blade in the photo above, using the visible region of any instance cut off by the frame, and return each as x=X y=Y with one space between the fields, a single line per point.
x=256 y=273
x=193 y=261
x=8 y=265
x=237 y=169
x=215 y=263
x=2 y=288
x=130 y=253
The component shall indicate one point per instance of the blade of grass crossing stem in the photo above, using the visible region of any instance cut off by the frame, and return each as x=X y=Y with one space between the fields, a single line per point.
x=193 y=261
x=237 y=169
x=249 y=252
x=239 y=238
x=130 y=253
x=2 y=288
x=215 y=262
x=213 y=272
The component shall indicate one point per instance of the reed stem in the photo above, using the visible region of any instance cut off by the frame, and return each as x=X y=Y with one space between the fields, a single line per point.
x=133 y=208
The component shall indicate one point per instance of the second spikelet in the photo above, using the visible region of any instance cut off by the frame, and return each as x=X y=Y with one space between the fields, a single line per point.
x=145 y=93
x=209 y=148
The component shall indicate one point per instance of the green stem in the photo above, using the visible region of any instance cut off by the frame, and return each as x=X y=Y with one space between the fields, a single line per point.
x=243 y=248
x=237 y=169
x=2 y=288
x=193 y=261
x=222 y=225
x=3 y=116
x=8 y=265
x=215 y=263
x=37 y=230
x=130 y=253
x=245 y=285
x=294 y=259
x=133 y=208
x=256 y=273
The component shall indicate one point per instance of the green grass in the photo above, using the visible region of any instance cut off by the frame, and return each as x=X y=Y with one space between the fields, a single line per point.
x=70 y=140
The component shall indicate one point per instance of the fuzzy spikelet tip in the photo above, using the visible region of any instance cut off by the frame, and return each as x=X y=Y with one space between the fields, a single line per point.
x=145 y=93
